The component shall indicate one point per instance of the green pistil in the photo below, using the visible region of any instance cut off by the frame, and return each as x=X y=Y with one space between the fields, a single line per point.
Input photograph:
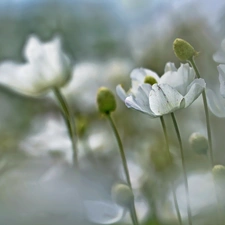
x=150 y=80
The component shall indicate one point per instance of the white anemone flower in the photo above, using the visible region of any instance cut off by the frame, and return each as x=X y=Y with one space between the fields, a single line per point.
x=216 y=103
x=46 y=67
x=176 y=89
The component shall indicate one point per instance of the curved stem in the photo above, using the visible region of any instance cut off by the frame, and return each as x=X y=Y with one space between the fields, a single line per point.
x=192 y=62
x=125 y=167
x=184 y=168
x=172 y=184
x=69 y=120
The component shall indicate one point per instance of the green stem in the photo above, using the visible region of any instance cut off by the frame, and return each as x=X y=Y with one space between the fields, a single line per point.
x=172 y=184
x=184 y=169
x=69 y=120
x=211 y=157
x=125 y=167
x=192 y=62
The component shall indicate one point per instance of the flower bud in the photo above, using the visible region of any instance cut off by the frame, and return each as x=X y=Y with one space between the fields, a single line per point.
x=122 y=195
x=183 y=50
x=199 y=143
x=219 y=172
x=150 y=80
x=105 y=100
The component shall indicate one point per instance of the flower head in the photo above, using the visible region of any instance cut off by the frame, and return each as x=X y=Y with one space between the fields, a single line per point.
x=105 y=100
x=198 y=143
x=122 y=195
x=46 y=67
x=176 y=89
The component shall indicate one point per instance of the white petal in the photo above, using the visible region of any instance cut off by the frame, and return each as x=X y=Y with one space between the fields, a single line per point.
x=180 y=79
x=49 y=60
x=140 y=102
x=221 y=69
x=121 y=93
x=219 y=56
x=194 y=90
x=33 y=48
x=20 y=78
x=164 y=99
x=139 y=74
x=170 y=67
x=216 y=104
x=103 y=212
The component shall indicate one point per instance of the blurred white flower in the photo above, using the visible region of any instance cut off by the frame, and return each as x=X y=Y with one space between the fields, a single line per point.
x=216 y=102
x=48 y=135
x=46 y=67
x=219 y=56
x=89 y=76
x=176 y=89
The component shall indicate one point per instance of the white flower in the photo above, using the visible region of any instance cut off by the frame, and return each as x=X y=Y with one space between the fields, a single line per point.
x=216 y=103
x=47 y=135
x=46 y=67
x=176 y=89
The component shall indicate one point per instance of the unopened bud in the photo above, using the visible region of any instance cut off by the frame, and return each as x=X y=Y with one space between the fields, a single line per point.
x=183 y=50
x=122 y=195
x=199 y=143
x=106 y=100
x=219 y=172
x=150 y=80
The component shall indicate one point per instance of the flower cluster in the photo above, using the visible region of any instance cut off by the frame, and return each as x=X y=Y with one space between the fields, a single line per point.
x=48 y=68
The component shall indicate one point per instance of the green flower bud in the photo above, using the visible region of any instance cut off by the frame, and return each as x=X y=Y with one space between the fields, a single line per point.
x=199 y=143
x=150 y=80
x=219 y=172
x=106 y=100
x=183 y=50
x=122 y=195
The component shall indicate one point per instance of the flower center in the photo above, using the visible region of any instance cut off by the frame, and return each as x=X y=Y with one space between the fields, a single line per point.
x=150 y=80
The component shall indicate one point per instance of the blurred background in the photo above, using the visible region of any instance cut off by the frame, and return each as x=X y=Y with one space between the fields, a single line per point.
x=105 y=40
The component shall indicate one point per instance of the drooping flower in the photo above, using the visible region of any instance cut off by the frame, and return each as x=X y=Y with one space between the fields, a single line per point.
x=46 y=67
x=176 y=89
x=216 y=102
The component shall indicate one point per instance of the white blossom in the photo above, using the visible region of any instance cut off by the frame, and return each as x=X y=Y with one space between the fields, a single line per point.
x=176 y=89
x=46 y=67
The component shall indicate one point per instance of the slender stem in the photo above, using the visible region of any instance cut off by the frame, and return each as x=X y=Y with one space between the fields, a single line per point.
x=211 y=157
x=172 y=184
x=192 y=62
x=184 y=169
x=132 y=216
x=125 y=167
x=176 y=204
x=69 y=120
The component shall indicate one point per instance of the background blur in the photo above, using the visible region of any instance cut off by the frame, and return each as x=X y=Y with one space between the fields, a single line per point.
x=105 y=39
